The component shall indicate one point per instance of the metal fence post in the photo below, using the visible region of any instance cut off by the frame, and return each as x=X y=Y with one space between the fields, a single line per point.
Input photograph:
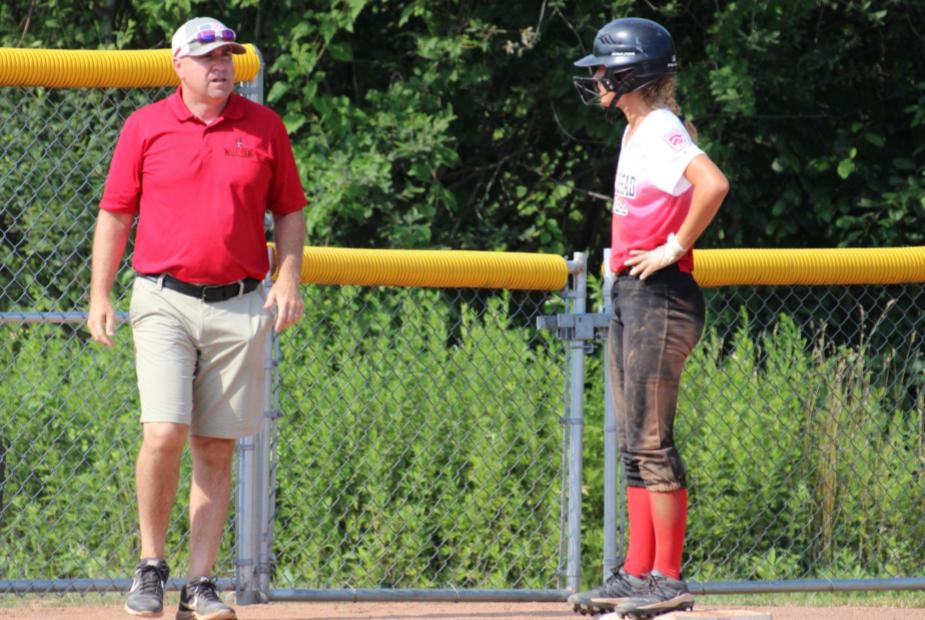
x=246 y=522
x=576 y=423
x=253 y=509
x=611 y=487
x=267 y=448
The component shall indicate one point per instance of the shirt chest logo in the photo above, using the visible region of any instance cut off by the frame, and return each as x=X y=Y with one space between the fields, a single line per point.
x=239 y=150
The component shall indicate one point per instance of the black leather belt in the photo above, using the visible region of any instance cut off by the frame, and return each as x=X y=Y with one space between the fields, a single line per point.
x=205 y=292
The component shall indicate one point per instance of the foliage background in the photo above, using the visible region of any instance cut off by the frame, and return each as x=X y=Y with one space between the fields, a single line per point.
x=454 y=124
x=436 y=123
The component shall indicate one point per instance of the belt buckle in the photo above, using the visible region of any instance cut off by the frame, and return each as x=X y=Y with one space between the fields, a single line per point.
x=205 y=291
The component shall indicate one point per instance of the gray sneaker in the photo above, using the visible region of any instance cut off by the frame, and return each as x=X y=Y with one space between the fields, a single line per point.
x=146 y=598
x=617 y=588
x=664 y=595
x=199 y=600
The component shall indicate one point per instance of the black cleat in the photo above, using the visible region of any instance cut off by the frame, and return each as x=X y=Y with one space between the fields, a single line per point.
x=617 y=588
x=664 y=595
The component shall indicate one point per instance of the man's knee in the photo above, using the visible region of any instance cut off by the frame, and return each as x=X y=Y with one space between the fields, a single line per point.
x=212 y=452
x=164 y=437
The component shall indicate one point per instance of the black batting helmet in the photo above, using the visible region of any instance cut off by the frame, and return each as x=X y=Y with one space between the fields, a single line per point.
x=634 y=52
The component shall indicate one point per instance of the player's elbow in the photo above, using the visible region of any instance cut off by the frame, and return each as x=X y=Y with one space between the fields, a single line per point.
x=716 y=190
x=707 y=179
x=719 y=186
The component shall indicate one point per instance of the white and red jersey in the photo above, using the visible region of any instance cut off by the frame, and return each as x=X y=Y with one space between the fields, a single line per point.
x=651 y=196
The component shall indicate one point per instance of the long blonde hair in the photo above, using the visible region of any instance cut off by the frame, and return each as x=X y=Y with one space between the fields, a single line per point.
x=660 y=94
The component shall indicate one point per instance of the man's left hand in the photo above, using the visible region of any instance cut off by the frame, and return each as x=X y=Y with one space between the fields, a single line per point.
x=287 y=296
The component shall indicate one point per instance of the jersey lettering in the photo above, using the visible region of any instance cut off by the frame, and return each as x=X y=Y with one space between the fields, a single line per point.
x=620 y=207
x=625 y=185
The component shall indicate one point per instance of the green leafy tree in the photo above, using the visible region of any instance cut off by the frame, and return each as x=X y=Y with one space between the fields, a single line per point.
x=425 y=123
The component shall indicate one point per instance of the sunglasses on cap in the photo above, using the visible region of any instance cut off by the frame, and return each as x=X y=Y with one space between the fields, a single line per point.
x=209 y=36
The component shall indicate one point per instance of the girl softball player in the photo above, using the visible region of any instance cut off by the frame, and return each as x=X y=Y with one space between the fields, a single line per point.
x=666 y=192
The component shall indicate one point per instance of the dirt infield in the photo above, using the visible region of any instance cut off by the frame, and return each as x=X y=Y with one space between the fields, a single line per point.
x=445 y=611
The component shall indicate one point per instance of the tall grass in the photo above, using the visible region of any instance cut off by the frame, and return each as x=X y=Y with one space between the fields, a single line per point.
x=420 y=441
x=801 y=462
x=420 y=447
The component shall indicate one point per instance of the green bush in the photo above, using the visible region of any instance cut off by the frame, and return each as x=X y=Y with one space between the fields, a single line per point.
x=70 y=422
x=428 y=447
x=420 y=446
x=800 y=463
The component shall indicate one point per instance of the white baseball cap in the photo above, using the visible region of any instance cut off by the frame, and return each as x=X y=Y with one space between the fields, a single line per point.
x=201 y=35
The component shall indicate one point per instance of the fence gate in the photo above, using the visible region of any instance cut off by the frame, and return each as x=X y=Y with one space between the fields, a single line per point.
x=413 y=438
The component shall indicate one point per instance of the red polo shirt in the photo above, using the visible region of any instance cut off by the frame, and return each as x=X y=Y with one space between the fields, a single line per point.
x=201 y=191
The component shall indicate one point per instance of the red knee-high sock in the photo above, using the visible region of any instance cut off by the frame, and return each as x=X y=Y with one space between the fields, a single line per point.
x=641 y=550
x=669 y=520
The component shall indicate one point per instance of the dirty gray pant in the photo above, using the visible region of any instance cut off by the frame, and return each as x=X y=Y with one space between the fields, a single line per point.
x=655 y=326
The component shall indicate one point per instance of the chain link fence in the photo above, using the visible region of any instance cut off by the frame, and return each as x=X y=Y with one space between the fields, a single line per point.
x=419 y=438
x=802 y=424
x=69 y=428
x=419 y=442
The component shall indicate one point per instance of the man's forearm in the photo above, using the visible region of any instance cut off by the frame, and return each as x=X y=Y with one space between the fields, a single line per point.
x=109 y=240
x=290 y=240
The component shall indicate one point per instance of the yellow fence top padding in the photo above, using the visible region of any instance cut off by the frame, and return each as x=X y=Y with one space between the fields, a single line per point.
x=103 y=68
x=434 y=268
x=809 y=267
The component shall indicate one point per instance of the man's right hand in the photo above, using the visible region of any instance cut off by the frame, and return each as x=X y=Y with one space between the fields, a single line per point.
x=101 y=321
x=112 y=230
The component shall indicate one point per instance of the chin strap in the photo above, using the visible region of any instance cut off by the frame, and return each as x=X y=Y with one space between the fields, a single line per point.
x=611 y=112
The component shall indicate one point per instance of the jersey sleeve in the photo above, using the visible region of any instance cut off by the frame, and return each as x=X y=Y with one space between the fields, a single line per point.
x=674 y=151
x=123 y=183
x=286 y=194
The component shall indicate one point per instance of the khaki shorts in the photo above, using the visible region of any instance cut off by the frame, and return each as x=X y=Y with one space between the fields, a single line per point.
x=200 y=364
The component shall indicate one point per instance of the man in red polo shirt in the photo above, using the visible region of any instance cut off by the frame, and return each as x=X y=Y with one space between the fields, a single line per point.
x=200 y=169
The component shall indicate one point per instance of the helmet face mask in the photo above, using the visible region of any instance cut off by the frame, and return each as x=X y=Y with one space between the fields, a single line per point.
x=633 y=52
x=589 y=86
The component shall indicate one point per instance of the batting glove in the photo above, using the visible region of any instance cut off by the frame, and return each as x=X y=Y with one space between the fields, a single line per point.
x=645 y=263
